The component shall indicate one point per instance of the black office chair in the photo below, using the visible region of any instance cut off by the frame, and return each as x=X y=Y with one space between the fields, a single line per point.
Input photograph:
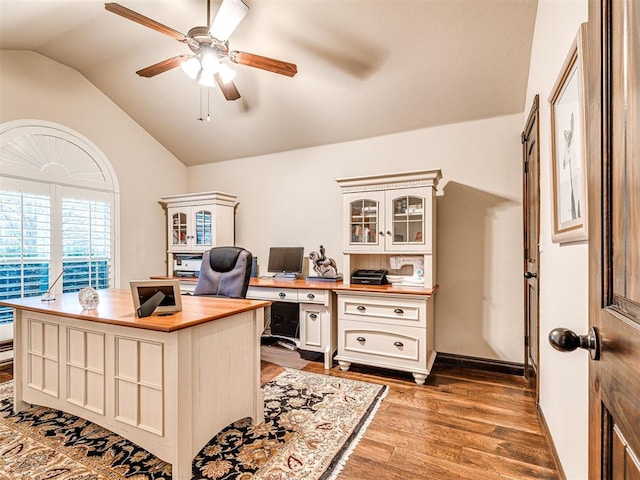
x=225 y=272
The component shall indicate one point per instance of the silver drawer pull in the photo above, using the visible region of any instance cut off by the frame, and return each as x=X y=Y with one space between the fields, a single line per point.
x=399 y=311
x=313 y=316
x=282 y=294
x=361 y=308
x=361 y=339
x=311 y=296
x=398 y=344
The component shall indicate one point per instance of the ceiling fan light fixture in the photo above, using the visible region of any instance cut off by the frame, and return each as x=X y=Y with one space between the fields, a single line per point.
x=229 y=16
x=210 y=61
x=191 y=67
x=226 y=73
x=207 y=79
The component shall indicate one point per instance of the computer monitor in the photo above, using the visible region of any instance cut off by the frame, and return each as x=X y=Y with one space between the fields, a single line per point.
x=285 y=262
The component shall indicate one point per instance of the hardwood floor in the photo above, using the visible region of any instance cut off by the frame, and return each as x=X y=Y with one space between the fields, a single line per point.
x=5 y=375
x=463 y=424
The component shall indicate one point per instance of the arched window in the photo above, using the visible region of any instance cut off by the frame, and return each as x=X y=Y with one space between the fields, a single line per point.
x=59 y=212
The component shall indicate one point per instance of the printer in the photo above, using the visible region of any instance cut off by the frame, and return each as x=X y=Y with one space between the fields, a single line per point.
x=187 y=265
x=369 y=277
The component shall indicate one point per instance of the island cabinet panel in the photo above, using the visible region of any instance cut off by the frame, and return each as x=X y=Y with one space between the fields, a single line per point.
x=43 y=357
x=138 y=384
x=85 y=369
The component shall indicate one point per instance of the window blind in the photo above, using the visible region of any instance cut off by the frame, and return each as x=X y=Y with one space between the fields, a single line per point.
x=86 y=244
x=25 y=246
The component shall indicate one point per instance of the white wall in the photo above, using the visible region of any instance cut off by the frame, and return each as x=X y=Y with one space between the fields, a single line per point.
x=563 y=269
x=292 y=199
x=35 y=87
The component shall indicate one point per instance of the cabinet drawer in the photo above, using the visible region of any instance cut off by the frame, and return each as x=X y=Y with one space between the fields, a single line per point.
x=383 y=309
x=273 y=294
x=313 y=296
x=397 y=347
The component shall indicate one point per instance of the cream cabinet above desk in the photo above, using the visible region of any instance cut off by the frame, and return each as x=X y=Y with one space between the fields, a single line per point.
x=198 y=221
x=388 y=221
x=389 y=215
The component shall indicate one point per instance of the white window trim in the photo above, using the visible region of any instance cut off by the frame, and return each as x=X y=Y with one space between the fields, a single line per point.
x=50 y=153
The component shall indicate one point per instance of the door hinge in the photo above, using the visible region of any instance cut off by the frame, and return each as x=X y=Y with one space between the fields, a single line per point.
x=526 y=340
x=526 y=166
x=523 y=137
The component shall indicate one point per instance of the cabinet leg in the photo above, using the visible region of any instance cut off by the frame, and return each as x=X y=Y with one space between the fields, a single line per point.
x=344 y=366
x=328 y=360
x=419 y=378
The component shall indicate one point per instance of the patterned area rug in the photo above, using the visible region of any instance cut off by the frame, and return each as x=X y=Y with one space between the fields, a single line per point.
x=312 y=423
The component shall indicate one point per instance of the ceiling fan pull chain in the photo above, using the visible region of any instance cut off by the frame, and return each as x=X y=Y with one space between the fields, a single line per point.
x=208 y=104
x=200 y=117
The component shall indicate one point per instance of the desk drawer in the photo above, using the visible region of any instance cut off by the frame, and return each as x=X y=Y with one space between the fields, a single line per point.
x=273 y=294
x=313 y=296
x=374 y=344
x=383 y=309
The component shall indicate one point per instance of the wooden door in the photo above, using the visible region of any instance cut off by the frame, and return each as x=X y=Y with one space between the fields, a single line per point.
x=531 y=216
x=613 y=154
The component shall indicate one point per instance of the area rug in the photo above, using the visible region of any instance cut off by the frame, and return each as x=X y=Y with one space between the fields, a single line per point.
x=312 y=423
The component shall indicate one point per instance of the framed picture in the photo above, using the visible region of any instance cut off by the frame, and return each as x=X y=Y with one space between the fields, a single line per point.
x=166 y=302
x=568 y=151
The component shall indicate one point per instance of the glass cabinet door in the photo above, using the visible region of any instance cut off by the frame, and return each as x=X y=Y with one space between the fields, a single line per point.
x=408 y=220
x=364 y=221
x=203 y=227
x=179 y=228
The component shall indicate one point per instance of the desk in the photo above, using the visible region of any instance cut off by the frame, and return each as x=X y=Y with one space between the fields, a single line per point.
x=317 y=310
x=167 y=383
x=317 y=304
x=384 y=326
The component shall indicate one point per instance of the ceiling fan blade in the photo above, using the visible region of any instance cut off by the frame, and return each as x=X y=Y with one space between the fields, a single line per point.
x=142 y=20
x=163 y=66
x=229 y=89
x=229 y=16
x=265 y=63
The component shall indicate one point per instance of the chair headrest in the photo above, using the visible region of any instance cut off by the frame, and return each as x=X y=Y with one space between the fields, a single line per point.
x=223 y=259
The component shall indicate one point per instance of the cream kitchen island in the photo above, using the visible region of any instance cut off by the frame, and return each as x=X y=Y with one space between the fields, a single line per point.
x=166 y=383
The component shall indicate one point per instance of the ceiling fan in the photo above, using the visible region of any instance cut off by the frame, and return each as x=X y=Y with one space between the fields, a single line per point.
x=209 y=45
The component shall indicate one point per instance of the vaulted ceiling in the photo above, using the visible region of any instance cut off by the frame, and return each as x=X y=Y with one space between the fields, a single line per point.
x=365 y=68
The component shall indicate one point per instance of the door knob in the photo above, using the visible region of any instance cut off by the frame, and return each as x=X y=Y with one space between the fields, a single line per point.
x=530 y=275
x=566 y=340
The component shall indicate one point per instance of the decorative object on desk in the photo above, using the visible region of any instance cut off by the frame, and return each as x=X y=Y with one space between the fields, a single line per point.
x=48 y=296
x=311 y=426
x=88 y=298
x=568 y=147
x=323 y=266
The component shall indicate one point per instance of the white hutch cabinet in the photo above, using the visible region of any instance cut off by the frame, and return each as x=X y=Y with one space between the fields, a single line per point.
x=387 y=215
x=386 y=221
x=392 y=327
x=198 y=221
